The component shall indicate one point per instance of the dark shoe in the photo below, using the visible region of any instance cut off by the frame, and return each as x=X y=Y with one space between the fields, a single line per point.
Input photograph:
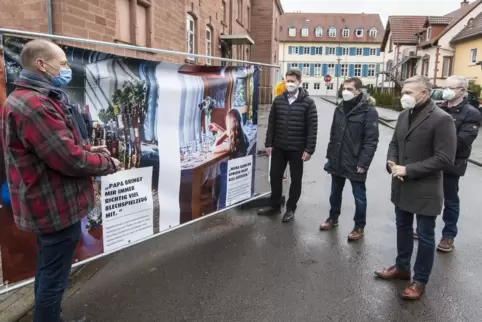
x=356 y=234
x=414 y=291
x=329 y=224
x=446 y=245
x=289 y=216
x=269 y=211
x=392 y=273
x=415 y=235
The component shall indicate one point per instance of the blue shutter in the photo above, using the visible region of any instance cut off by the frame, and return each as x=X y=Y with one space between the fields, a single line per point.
x=313 y=50
x=364 y=70
x=338 y=51
x=337 y=70
x=321 y=50
x=288 y=66
x=366 y=51
x=378 y=51
x=323 y=70
x=351 y=70
x=301 y=50
x=352 y=51
x=312 y=69
x=290 y=50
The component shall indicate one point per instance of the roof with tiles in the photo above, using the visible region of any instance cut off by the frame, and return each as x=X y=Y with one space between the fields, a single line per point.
x=403 y=29
x=473 y=29
x=324 y=21
x=437 y=20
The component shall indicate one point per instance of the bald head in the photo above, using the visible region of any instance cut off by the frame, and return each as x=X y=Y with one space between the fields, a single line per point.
x=42 y=56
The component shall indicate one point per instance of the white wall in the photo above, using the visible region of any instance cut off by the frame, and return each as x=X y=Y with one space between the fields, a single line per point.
x=444 y=41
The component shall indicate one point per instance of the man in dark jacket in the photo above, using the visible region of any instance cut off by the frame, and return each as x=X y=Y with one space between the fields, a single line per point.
x=422 y=146
x=353 y=142
x=290 y=138
x=467 y=123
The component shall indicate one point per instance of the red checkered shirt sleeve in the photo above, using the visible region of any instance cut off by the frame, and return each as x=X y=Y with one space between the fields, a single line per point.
x=45 y=131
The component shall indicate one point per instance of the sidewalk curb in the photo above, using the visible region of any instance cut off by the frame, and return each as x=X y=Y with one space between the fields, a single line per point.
x=20 y=308
x=475 y=162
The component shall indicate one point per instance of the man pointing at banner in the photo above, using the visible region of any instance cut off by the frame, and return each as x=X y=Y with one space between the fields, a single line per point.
x=48 y=170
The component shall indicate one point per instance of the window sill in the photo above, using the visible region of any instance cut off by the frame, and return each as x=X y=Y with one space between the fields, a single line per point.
x=118 y=41
x=239 y=22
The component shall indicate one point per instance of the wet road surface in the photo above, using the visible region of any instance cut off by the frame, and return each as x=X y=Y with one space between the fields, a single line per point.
x=240 y=267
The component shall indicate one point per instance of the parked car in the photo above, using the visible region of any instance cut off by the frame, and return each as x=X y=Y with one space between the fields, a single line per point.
x=436 y=96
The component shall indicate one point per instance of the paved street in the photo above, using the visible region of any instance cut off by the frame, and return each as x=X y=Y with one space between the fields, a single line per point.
x=240 y=267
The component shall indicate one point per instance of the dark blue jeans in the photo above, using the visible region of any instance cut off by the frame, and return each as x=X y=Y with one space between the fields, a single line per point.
x=426 y=244
x=451 y=205
x=54 y=260
x=360 y=194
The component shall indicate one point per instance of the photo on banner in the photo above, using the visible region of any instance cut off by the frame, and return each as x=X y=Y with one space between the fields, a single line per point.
x=175 y=128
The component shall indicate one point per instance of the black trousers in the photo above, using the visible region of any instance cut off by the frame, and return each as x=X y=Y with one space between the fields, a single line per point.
x=279 y=160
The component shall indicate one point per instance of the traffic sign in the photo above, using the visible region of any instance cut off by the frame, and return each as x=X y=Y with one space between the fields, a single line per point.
x=327 y=78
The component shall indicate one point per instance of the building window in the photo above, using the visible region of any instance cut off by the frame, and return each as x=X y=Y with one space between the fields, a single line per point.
x=292 y=32
x=305 y=86
x=304 y=32
x=447 y=67
x=296 y=50
x=318 y=32
x=359 y=51
x=345 y=32
x=373 y=33
x=425 y=66
x=329 y=86
x=331 y=69
x=390 y=45
x=317 y=50
x=373 y=51
x=240 y=10
x=133 y=27
x=306 y=70
x=345 y=51
x=473 y=56
x=316 y=86
x=306 y=50
x=344 y=70
x=248 y=15
x=358 y=69
x=317 y=70
x=191 y=36
x=223 y=10
x=359 y=32
x=371 y=70
x=332 y=32
x=294 y=65
x=330 y=50
x=209 y=44
x=429 y=33
x=275 y=29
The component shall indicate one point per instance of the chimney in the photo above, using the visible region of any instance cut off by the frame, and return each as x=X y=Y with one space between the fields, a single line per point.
x=464 y=3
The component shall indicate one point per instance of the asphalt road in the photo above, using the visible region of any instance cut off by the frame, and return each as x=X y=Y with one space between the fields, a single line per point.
x=240 y=267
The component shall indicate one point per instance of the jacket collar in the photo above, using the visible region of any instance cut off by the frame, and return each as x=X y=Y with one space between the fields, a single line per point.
x=39 y=84
x=365 y=102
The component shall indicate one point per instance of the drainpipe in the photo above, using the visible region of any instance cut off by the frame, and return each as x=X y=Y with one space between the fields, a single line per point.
x=49 y=17
x=437 y=52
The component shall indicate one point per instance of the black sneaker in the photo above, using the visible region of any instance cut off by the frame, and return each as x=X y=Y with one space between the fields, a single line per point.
x=289 y=216
x=269 y=211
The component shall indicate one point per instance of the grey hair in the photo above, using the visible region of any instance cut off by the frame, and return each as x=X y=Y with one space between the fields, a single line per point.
x=421 y=81
x=460 y=80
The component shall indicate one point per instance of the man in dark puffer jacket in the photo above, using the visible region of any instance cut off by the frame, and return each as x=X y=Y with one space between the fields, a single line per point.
x=353 y=142
x=290 y=138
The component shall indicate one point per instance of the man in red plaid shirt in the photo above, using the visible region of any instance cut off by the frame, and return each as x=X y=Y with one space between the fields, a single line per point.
x=49 y=171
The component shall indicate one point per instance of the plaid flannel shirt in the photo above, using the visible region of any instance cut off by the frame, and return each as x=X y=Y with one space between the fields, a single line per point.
x=48 y=169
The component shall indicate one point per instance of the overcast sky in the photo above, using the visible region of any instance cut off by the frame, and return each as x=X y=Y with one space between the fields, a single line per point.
x=383 y=7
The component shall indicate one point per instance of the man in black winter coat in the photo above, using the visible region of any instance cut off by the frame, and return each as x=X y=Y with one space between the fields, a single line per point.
x=353 y=142
x=290 y=138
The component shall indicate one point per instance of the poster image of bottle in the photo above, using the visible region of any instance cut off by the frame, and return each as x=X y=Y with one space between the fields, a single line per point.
x=218 y=125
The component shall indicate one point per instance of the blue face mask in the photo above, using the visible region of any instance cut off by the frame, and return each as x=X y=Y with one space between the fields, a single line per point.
x=64 y=78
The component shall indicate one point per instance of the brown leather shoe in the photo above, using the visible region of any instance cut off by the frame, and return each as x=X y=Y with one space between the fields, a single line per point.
x=414 y=291
x=446 y=245
x=356 y=234
x=329 y=224
x=392 y=273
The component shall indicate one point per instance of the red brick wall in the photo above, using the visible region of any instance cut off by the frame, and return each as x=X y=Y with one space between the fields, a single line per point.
x=28 y=15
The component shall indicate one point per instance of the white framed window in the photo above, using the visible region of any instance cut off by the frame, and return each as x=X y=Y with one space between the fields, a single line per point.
x=373 y=33
x=318 y=32
x=345 y=51
x=295 y=65
x=332 y=32
x=345 y=33
x=296 y=50
x=359 y=32
x=304 y=32
x=306 y=50
x=429 y=33
x=305 y=86
x=306 y=70
x=317 y=50
x=190 y=36
x=329 y=86
x=371 y=70
x=292 y=31
x=330 y=50
x=373 y=51
x=317 y=70
x=330 y=69
x=209 y=44
x=359 y=51
x=316 y=86
x=358 y=69
x=473 y=56
x=344 y=70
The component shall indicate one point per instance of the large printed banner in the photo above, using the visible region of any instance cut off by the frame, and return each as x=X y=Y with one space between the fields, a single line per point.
x=185 y=134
